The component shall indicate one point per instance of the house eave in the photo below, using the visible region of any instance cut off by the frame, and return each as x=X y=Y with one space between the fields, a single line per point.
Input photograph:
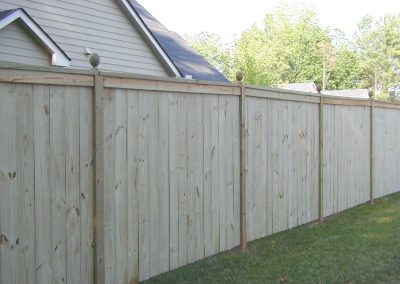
x=58 y=56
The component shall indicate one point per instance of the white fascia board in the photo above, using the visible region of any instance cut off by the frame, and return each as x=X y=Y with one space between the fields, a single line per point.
x=58 y=57
x=153 y=41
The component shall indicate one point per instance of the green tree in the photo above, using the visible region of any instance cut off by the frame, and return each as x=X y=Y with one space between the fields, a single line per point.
x=290 y=47
x=210 y=46
x=378 y=47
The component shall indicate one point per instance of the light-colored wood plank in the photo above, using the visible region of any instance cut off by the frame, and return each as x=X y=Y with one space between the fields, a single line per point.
x=42 y=183
x=282 y=95
x=229 y=171
x=198 y=176
x=187 y=87
x=174 y=171
x=346 y=102
x=164 y=206
x=386 y=105
x=99 y=176
x=263 y=167
x=58 y=177
x=8 y=182
x=269 y=166
x=87 y=214
x=182 y=179
x=236 y=173
x=72 y=182
x=109 y=185
x=144 y=198
x=191 y=182
x=154 y=189
x=250 y=199
x=215 y=178
x=207 y=168
x=275 y=167
x=293 y=189
x=223 y=152
x=120 y=186
x=313 y=173
x=25 y=242
x=34 y=77
x=133 y=185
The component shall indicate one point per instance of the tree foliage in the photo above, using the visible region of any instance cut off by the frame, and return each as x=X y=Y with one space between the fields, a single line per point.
x=291 y=46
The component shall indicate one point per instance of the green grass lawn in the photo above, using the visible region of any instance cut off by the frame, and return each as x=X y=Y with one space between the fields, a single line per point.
x=361 y=245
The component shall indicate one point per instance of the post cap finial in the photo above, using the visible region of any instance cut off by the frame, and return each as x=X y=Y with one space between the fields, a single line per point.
x=239 y=76
x=94 y=60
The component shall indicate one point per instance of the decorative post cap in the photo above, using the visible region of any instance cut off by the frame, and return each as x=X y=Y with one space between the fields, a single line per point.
x=239 y=76
x=94 y=60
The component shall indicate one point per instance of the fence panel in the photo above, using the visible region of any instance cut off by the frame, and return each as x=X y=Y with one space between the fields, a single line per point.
x=346 y=157
x=386 y=179
x=46 y=184
x=173 y=167
x=164 y=176
x=282 y=188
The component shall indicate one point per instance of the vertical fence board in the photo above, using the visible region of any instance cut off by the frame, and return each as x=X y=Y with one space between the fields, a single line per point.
x=236 y=170
x=58 y=177
x=183 y=185
x=8 y=196
x=133 y=185
x=120 y=186
x=199 y=173
x=223 y=164
x=207 y=170
x=164 y=181
x=174 y=171
x=154 y=193
x=42 y=183
x=144 y=227
x=109 y=185
x=72 y=181
x=86 y=193
x=191 y=183
x=25 y=237
x=215 y=177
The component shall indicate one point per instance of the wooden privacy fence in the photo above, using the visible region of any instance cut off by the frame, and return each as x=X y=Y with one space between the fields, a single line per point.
x=113 y=178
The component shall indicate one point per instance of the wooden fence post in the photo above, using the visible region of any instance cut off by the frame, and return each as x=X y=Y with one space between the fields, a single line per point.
x=243 y=167
x=98 y=113
x=321 y=161
x=371 y=200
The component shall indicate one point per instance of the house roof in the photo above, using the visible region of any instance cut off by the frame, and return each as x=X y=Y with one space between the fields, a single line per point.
x=59 y=57
x=353 y=93
x=308 y=87
x=187 y=61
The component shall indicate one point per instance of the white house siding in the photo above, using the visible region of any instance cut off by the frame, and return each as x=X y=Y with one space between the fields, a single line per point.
x=17 y=46
x=99 y=25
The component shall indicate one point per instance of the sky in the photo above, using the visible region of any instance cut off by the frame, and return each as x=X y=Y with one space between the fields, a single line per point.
x=230 y=17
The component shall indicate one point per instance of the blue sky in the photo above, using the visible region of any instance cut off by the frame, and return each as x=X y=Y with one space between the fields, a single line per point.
x=227 y=18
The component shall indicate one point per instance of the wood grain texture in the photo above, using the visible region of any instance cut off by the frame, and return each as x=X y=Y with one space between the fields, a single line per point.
x=157 y=174
x=386 y=131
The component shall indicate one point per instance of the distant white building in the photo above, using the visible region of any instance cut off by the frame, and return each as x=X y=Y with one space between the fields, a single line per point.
x=310 y=87
x=353 y=93
x=307 y=87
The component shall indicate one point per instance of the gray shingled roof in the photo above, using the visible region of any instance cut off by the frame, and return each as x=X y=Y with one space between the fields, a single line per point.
x=186 y=60
x=308 y=87
x=353 y=93
x=4 y=14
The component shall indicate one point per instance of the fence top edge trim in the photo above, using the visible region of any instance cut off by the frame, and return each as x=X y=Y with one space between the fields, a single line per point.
x=235 y=87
